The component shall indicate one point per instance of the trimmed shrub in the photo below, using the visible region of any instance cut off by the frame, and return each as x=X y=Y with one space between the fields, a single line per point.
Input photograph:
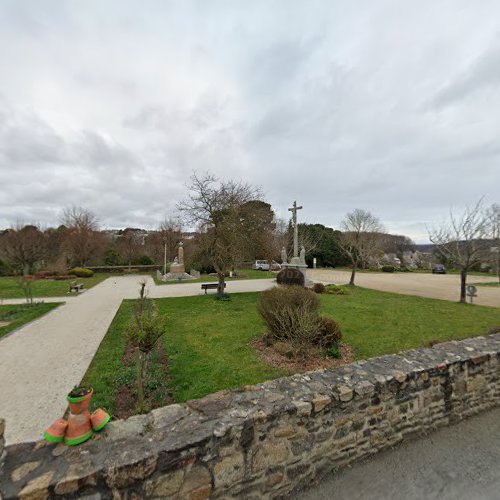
x=291 y=315
x=388 y=269
x=81 y=272
x=290 y=276
x=329 y=333
x=318 y=288
x=405 y=269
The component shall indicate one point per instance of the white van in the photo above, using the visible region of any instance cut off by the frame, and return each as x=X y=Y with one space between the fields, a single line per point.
x=263 y=265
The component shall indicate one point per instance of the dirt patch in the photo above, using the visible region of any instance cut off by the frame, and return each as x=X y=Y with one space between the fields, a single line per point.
x=4 y=323
x=314 y=361
x=157 y=392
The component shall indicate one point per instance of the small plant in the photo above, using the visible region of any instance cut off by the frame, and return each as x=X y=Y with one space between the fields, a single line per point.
x=388 y=269
x=337 y=290
x=405 y=269
x=78 y=391
x=318 y=288
x=81 y=272
x=334 y=352
x=143 y=332
x=26 y=284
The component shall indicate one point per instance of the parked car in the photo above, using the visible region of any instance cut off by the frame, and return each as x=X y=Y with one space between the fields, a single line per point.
x=438 y=269
x=263 y=265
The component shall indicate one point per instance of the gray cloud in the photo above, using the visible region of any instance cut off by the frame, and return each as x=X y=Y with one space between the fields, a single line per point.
x=386 y=106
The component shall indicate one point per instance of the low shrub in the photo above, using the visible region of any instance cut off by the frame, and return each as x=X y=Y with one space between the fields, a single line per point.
x=318 y=288
x=291 y=315
x=405 y=269
x=81 y=272
x=337 y=290
x=334 y=352
x=329 y=333
x=388 y=269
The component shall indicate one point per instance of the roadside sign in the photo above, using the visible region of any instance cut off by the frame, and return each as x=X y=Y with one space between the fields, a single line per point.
x=471 y=292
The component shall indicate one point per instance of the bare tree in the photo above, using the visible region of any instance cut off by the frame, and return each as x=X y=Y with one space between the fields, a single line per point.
x=166 y=237
x=129 y=245
x=83 y=241
x=216 y=208
x=361 y=237
x=461 y=241
x=493 y=218
x=24 y=247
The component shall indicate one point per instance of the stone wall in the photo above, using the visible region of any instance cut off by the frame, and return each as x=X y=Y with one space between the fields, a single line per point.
x=266 y=440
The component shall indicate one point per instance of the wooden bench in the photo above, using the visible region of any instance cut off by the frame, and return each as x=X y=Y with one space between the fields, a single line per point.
x=75 y=287
x=210 y=286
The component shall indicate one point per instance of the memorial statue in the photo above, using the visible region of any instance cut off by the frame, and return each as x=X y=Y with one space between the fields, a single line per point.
x=283 y=256
x=302 y=255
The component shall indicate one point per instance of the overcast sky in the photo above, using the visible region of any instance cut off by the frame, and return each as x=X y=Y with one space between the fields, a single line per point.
x=391 y=106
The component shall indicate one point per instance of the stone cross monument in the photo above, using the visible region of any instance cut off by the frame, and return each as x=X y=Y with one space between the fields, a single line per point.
x=298 y=261
x=295 y=259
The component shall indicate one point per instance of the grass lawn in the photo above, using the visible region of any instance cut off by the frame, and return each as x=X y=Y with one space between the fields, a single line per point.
x=19 y=314
x=10 y=289
x=207 y=341
x=492 y=283
x=243 y=274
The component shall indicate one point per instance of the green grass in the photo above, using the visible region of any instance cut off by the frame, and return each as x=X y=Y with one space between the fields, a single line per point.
x=10 y=289
x=491 y=283
x=243 y=274
x=207 y=341
x=19 y=314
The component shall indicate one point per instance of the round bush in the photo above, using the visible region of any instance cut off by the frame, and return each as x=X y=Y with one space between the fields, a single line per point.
x=290 y=276
x=291 y=315
x=81 y=272
x=388 y=269
x=318 y=288
x=329 y=333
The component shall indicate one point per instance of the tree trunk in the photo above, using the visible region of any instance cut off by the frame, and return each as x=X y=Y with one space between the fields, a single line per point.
x=463 y=282
x=353 y=274
x=220 y=286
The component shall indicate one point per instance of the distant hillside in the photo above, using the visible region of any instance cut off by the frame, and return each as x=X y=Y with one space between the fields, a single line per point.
x=427 y=247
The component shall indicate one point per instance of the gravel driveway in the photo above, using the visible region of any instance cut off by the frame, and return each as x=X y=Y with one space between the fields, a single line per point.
x=435 y=286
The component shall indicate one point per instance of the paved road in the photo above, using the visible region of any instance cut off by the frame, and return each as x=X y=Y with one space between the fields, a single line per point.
x=436 y=286
x=456 y=463
x=42 y=361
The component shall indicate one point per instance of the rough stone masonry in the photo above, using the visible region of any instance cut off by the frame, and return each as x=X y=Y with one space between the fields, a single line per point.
x=266 y=440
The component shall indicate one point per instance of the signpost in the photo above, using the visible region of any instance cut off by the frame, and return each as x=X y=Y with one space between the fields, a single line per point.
x=471 y=292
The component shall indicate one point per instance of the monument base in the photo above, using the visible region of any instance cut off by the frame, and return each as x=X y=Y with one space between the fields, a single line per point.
x=177 y=276
x=296 y=264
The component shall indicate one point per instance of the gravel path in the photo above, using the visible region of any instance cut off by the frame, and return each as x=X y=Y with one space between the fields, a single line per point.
x=42 y=361
x=436 y=286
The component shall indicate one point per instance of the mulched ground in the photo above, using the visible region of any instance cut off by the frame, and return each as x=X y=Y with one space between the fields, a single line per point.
x=126 y=401
x=315 y=359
